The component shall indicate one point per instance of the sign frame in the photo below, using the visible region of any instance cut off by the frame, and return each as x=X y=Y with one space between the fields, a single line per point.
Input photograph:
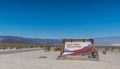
x=75 y=40
x=83 y=53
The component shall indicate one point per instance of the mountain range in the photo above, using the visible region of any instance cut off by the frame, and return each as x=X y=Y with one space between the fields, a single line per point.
x=103 y=41
x=21 y=40
x=107 y=41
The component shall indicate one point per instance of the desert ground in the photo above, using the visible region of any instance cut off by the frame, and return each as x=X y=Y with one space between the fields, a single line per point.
x=31 y=60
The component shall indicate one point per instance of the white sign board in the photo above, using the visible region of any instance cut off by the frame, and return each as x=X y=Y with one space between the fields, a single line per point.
x=72 y=48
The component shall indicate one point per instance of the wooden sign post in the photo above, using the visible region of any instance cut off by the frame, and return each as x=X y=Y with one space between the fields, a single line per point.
x=78 y=49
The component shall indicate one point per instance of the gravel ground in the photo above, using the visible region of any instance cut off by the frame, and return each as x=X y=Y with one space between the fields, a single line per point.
x=31 y=60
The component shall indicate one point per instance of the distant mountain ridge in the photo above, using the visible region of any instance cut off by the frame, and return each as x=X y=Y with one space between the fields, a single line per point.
x=21 y=40
x=107 y=41
x=103 y=41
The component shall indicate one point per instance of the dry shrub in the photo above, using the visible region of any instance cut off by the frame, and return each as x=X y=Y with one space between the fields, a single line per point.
x=57 y=48
x=47 y=48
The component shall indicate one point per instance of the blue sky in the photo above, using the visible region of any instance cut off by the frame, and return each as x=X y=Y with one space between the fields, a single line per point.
x=60 y=18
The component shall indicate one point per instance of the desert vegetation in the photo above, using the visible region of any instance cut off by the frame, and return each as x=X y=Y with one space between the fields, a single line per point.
x=51 y=47
x=108 y=48
x=17 y=46
x=26 y=46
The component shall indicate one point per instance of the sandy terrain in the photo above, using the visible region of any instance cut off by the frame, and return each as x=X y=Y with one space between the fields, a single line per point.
x=30 y=60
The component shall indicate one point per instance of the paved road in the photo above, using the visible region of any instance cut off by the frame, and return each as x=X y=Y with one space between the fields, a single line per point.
x=18 y=51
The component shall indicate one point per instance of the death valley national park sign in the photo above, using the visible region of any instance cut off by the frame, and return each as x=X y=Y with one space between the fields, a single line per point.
x=77 y=48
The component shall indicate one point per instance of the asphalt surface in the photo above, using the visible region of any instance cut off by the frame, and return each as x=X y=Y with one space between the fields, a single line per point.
x=18 y=51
